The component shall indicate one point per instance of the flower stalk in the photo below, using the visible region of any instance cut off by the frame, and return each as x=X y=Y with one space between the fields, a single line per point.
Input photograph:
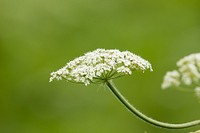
x=101 y=66
x=145 y=118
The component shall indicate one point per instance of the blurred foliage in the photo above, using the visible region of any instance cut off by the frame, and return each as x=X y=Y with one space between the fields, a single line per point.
x=40 y=36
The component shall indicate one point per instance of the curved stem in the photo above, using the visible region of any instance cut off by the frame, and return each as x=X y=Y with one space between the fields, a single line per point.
x=147 y=119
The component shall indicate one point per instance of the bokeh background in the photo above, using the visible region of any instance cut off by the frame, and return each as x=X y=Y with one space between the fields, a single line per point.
x=40 y=36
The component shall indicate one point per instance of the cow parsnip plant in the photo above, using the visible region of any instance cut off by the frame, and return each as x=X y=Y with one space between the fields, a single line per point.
x=102 y=66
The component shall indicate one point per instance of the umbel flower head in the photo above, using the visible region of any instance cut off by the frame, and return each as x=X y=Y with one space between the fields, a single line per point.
x=101 y=65
x=187 y=74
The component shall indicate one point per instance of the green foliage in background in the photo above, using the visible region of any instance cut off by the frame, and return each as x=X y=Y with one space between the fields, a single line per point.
x=40 y=36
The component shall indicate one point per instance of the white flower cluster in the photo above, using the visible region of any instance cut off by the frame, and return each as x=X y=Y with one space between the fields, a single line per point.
x=171 y=79
x=188 y=74
x=101 y=65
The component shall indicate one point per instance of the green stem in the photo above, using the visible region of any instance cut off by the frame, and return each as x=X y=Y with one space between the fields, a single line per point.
x=147 y=119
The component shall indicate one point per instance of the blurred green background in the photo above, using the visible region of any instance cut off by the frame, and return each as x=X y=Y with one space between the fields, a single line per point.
x=40 y=36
